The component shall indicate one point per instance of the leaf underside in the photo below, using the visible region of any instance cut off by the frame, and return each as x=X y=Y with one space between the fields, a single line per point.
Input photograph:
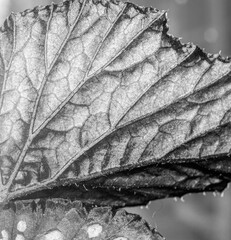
x=71 y=220
x=97 y=94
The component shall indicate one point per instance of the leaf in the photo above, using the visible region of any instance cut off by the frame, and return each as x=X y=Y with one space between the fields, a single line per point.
x=94 y=88
x=57 y=219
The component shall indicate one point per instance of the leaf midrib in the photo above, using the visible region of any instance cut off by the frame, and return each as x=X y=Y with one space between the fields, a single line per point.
x=50 y=182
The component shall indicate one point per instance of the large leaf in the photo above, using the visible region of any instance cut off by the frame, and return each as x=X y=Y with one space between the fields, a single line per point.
x=94 y=88
x=70 y=220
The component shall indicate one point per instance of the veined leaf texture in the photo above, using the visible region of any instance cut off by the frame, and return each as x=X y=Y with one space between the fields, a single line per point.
x=64 y=220
x=98 y=102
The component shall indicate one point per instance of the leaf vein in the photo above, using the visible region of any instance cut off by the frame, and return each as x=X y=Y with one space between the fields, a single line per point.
x=31 y=136
x=111 y=131
x=6 y=72
x=148 y=88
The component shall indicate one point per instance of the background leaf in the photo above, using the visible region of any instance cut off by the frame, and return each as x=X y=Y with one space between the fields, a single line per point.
x=67 y=220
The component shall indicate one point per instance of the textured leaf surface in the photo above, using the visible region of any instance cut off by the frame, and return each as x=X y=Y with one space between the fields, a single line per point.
x=139 y=186
x=64 y=220
x=94 y=88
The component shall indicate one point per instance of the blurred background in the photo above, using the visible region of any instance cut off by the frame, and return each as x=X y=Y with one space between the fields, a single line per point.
x=207 y=24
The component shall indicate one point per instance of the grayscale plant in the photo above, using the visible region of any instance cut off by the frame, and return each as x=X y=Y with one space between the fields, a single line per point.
x=99 y=104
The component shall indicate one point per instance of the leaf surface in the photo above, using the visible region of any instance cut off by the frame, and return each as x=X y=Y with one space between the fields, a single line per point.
x=57 y=219
x=93 y=88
